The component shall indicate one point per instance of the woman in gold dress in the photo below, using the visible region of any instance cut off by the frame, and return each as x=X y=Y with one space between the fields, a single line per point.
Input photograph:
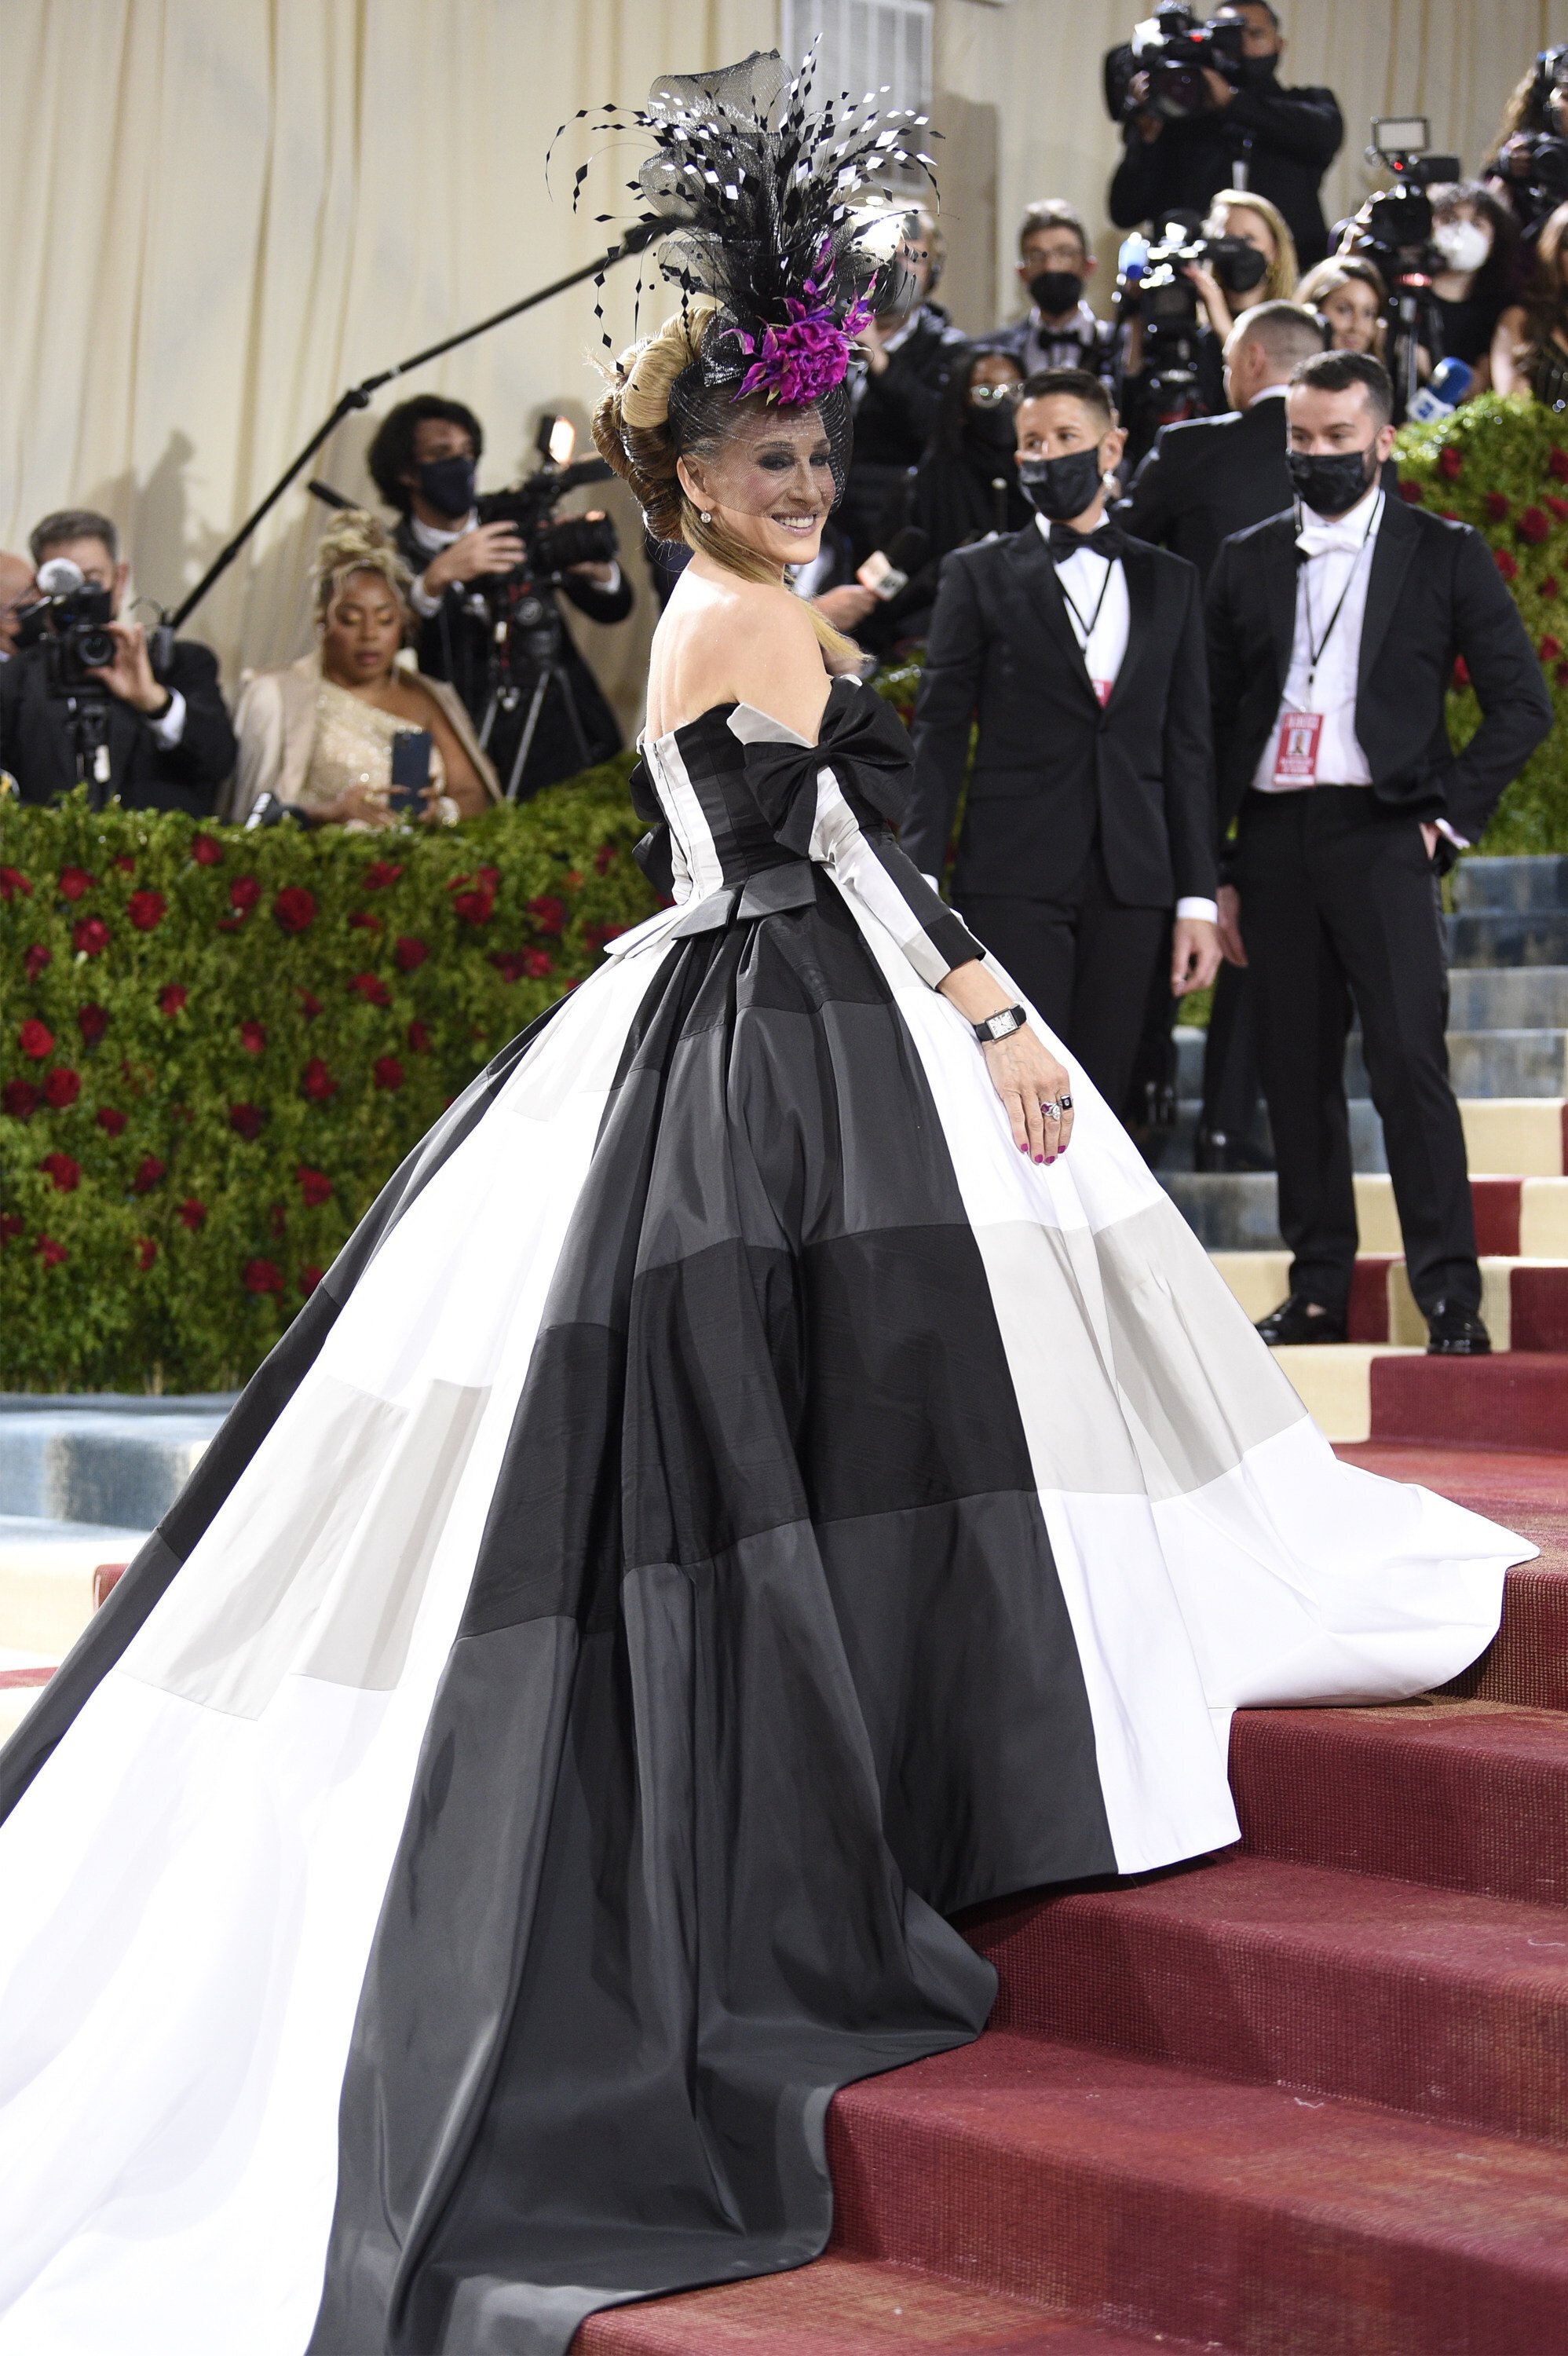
x=318 y=734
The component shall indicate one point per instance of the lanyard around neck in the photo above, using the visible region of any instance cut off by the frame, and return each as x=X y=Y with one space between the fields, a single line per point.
x=1315 y=651
x=1086 y=628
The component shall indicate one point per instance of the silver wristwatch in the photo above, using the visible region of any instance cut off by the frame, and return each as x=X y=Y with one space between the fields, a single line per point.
x=1000 y=1026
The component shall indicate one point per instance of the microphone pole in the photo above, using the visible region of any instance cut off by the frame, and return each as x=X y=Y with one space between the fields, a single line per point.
x=359 y=396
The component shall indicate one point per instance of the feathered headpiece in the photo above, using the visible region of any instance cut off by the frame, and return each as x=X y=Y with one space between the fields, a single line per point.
x=773 y=209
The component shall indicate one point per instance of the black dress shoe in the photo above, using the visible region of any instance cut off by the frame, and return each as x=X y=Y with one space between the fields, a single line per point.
x=1299 y=1319
x=1215 y=1148
x=1456 y=1332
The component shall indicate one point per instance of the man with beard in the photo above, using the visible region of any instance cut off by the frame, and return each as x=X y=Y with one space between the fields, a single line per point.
x=1283 y=140
x=1089 y=818
x=909 y=351
x=1332 y=634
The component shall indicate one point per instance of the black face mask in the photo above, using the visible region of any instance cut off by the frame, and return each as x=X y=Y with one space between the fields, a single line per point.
x=1061 y=488
x=448 y=484
x=1255 y=73
x=1052 y=292
x=1330 y=487
x=1239 y=267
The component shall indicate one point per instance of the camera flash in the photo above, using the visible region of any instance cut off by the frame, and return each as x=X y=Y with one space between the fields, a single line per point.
x=562 y=442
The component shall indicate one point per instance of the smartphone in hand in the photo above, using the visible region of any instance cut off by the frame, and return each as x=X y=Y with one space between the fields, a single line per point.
x=412 y=749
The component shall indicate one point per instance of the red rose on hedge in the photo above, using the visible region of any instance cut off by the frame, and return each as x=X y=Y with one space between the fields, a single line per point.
x=146 y=910
x=511 y=964
x=36 y=1039
x=252 y=1037
x=148 y=1173
x=11 y=1226
x=74 y=882
x=409 y=952
x=146 y=1253
x=36 y=958
x=92 y=1021
x=572 y=880
x=244 y=892
x=111 y=1121
x=309 y=1278
x=310 y=1006
x=1549 y=586
x=64 y=1174
x=379 y=874
x=19 y=1100
x=206 y=849
x=363 y=922
x=1533 y=527
x=1559 y=507
x=1557 y=464
x=1410 y=492
x=126 y=864
x=547 y=914
x=13 y=881
x=371 y=988
x=1505 y=564
x=388 y=1072
x=294 y=908
x=172 y=1000
x=319 y=1082
x=1561 y=674
x=419 y=1038
x=1461 y=671
x=51 y=1253
x=1549 y=650
x=1450 y=464
x=246 y=1121
x=1496 y=505
x=192 y=1214
x=264 y=1276
x=603 y=856
x=315 y=1185
x=473 y=907
x=90 y=937
x=61 y=1086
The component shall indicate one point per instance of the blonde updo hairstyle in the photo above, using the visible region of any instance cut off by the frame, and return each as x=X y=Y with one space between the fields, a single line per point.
x=635 y=434
x=357 y=542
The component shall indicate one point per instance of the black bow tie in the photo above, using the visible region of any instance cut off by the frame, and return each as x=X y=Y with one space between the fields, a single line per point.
x=1108 y=541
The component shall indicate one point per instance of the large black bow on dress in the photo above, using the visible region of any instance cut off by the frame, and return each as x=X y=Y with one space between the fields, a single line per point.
x=862 y=741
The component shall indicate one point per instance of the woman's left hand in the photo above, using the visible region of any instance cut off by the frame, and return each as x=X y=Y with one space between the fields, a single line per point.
x=1027 y=1076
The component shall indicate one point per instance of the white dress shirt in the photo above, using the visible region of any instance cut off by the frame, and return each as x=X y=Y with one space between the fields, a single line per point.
x=1336 y=556
x=1094 y=590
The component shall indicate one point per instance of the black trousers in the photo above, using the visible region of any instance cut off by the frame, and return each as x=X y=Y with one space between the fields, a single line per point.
x=1339 y=903
x=1086 y=961
x=1230 y=1081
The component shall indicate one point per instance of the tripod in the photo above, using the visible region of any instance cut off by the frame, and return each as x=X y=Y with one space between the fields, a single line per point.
x=536 y=642
x=359 y=396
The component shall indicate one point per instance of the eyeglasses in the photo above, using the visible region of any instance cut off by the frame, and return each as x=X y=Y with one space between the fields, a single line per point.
x=994 y=396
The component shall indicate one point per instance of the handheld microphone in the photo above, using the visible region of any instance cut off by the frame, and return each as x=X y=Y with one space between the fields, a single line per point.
x=887 y=571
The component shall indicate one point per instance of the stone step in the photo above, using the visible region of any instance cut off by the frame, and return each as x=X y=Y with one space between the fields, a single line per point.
x=1508 y=937
x=1507 y=998
x=1510 y=883
x=1517 y=1218
x=104 y=1459
x=1384 y=1390
x=1523 y=1302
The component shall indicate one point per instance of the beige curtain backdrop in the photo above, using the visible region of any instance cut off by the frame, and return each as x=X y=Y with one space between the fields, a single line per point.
x=223 y=212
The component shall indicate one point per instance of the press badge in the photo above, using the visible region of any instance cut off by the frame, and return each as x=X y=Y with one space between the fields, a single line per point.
x=1295 y=762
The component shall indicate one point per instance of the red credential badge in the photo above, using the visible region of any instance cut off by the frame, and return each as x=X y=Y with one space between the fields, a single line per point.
x=1296 y=763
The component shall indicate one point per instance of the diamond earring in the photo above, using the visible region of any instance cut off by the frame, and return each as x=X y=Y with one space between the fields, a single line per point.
x=703 y=516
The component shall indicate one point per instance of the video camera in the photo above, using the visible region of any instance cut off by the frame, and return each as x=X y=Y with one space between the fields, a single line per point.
x=1173 y=47
x=552 y=547
x=71 y=619
x=1396 y=225
x=1164 y=301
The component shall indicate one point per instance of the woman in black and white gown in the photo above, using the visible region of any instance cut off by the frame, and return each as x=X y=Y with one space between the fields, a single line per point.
x=768 y=1471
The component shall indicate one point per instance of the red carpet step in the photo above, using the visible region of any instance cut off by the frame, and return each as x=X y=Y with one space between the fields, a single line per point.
x=1517 y=1399
x=1431 y=2001
x=1261 y=2220
x=1459 y=1794
x=852 y=2307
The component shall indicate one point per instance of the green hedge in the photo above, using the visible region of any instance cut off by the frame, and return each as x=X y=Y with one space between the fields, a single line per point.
x=216 y=1045
x=1502 y=465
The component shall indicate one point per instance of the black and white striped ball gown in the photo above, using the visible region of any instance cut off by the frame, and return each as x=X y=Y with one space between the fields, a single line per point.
x=725 y=1510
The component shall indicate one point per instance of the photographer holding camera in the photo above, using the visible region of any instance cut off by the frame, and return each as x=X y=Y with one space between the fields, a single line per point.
x=1203 y=109
x=1191 y=290
x=1530 y=171
x=80 y=700
x=481 y=564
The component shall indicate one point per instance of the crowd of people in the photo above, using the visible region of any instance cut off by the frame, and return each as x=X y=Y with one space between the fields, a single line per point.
x=1140 y=443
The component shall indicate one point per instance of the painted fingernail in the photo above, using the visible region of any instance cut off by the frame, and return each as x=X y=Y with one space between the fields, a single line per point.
x=1040 y=1157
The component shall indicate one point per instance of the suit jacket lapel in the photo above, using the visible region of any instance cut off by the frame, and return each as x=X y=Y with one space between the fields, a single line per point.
x=1392 y=552
x=1139 y=572
x=1034 y=590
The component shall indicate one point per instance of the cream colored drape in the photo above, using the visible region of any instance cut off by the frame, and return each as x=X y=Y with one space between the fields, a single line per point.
x=222 y=211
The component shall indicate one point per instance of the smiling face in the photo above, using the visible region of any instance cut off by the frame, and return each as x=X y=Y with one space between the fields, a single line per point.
x=362 y=632
x=770 y=483
x=1352 y=312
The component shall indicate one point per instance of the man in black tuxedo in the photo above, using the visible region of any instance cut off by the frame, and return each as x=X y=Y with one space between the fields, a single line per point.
x=1058 y=329
x=425 y=461
x=165 y=742
x=1332 y=635
x=1091 y=808
x=1205 y=478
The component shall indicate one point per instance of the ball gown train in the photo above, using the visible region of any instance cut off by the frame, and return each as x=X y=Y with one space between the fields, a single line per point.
x=724 y=1510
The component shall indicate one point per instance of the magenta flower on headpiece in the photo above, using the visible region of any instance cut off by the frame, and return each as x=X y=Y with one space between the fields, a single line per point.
x=796 y=363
